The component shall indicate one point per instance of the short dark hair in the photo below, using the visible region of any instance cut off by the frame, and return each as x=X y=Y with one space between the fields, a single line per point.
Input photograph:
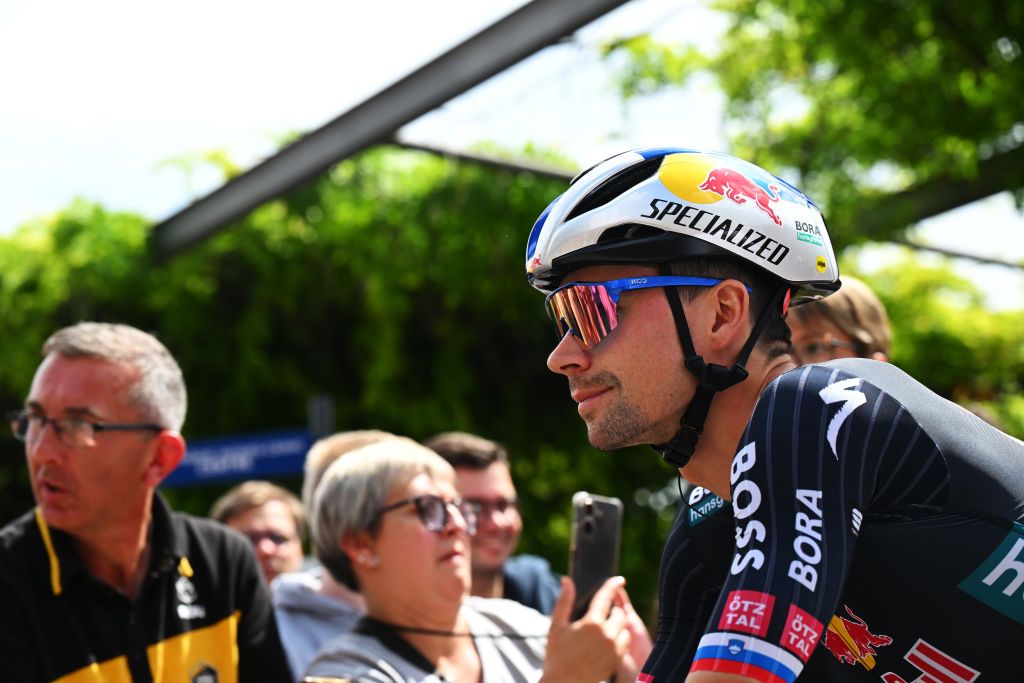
x=462 y=449
x=776 y=337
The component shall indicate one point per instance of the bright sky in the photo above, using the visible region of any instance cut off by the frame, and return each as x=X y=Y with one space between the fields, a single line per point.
x=98 y=96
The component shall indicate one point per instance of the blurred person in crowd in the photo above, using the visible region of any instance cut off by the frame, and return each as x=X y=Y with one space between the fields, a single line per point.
x=483 y=477
x=312 y=607
x=850 y=323
x=389 y=523
x=271 y=518
x=102 y=581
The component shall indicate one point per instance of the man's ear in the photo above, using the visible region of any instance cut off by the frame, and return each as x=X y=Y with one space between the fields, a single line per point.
x=728 y=315
x=170 y=449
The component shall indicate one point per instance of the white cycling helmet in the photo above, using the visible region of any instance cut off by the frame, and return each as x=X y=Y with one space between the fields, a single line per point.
x=667 y=204
x=663 y=204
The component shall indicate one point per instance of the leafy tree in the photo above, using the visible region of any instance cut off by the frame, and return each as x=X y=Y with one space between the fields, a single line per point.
x=887 y=111
x=944 y=336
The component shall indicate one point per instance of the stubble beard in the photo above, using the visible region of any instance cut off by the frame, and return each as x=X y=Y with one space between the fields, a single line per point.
x=620 y=425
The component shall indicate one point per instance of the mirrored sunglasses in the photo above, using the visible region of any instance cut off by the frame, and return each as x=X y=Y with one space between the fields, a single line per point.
x=588 y=310
x=433 y=511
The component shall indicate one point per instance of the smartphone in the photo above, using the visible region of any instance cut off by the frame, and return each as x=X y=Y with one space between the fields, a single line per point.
x=593 y=545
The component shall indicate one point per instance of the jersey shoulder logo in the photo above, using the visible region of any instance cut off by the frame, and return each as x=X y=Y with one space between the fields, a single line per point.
x=844 y=391
x=703 y=505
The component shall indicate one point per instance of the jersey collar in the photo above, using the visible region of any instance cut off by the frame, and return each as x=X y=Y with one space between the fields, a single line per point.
x=166 y=534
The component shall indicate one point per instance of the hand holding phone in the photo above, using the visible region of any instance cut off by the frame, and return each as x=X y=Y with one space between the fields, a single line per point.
x=593 y=546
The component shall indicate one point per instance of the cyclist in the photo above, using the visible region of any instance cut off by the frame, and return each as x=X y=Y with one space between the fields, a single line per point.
x=655 y=245
x=850 y=323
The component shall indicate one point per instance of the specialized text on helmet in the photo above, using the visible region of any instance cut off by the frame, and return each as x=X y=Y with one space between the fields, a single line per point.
x=683 y=215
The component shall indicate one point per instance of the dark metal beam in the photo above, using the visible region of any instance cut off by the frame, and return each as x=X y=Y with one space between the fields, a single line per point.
x=494 y=49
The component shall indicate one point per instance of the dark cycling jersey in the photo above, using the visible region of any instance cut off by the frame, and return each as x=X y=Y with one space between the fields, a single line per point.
x=696 y=559
x=878 y=535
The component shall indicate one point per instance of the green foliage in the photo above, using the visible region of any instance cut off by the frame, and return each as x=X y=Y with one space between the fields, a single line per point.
x=946 y=338
x=857 y=99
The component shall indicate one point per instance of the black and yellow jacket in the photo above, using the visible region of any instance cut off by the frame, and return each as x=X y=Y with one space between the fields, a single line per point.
x=203 y=614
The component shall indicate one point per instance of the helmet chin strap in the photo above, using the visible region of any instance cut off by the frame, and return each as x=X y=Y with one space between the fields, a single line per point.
x=711 y=377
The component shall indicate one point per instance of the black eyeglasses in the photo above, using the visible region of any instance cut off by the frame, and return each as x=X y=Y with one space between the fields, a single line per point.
x=74 y=432
x=257 y=537
x=500 y=506
x=433 y=511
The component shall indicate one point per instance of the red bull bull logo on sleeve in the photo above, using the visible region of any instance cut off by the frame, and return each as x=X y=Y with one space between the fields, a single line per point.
x=851 y=642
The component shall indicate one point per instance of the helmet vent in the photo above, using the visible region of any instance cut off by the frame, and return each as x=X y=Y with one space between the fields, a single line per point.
x=619 y=183
x=630 y=231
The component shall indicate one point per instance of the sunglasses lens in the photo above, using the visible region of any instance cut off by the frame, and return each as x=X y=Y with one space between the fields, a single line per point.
x=432 y=513
x=585 y=310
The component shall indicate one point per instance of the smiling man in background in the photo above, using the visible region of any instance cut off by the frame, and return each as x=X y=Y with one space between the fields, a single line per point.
x=482 y=476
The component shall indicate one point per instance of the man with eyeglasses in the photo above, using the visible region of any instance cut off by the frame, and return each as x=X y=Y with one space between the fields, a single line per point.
x=271 y=518
x=878 y=528
x=102 y=581
x=483 y=477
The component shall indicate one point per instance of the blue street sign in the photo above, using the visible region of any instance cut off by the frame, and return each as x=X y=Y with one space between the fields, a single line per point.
x=240 y=457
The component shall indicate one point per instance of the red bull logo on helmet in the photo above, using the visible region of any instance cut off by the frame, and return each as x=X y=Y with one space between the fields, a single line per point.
x=703 y=179
x=851 y=642
x=737 y=187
